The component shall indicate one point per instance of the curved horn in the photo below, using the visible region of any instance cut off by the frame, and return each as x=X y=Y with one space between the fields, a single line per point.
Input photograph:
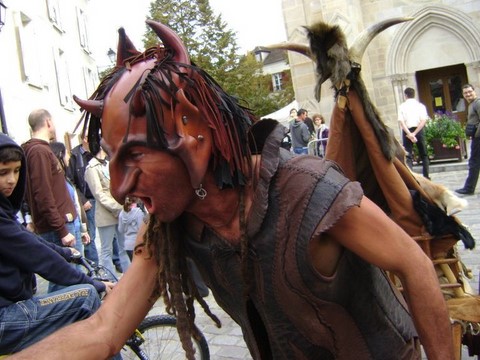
x=171 y=40
x=125 y=47
x=299 y=48
x=95 y=107
x=365 y=37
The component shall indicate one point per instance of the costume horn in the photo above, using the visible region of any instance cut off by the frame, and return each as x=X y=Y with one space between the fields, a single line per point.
x=365 y=37
x=95 y=107
x=125 y=47
x=299 y=48
x=171 y=41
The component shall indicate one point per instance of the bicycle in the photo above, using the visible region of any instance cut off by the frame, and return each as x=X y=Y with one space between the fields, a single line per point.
x=156 y=337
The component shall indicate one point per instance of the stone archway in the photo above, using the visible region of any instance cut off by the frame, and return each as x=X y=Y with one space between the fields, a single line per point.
x=438 y=36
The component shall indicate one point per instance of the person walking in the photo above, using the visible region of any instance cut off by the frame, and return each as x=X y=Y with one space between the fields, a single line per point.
x=79 y=158
x=300 y=133
x=321 y=134
x=52 y=209
x=129 y=221
x=412 y=116
x=473 y=119
x=107 y=209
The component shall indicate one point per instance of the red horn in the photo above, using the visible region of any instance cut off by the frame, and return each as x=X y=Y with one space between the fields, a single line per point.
x=125 y=48
x=170 y=40
x=94 y=107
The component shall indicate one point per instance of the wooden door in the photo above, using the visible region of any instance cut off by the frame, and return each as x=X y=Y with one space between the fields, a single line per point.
x=440 y=89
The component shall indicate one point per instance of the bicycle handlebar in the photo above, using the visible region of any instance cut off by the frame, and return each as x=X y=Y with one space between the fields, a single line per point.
x=93 y=270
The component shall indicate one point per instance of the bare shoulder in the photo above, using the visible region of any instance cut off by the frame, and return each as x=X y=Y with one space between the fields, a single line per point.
x=369 y=233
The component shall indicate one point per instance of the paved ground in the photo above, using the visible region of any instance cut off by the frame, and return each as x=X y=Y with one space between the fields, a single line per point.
x=227 y=342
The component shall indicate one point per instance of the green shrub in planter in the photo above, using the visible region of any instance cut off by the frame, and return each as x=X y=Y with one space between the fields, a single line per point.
x=444 y=127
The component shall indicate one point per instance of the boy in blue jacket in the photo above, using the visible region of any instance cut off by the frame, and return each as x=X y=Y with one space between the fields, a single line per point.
x=25 y=318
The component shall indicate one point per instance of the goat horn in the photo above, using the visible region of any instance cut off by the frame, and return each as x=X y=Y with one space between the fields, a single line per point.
x=170 y=40
x=125 y=47
x=365 y=37
x=94 y=107
x=299 y=48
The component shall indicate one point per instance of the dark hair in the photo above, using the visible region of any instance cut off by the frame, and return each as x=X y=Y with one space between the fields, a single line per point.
x=59 y=150
x=301 y=112
x=409 y=92
x=468 y=86
x=320 y=116
x=10 y=153
x=128 y=202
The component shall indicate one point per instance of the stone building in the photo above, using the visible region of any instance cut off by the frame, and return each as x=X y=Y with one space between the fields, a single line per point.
x=435 y=53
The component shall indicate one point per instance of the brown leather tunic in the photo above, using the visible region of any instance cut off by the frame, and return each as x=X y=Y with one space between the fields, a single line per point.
x=291 y=311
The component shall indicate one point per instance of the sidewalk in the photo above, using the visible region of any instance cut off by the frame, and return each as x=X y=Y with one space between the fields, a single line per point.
x=227 y=342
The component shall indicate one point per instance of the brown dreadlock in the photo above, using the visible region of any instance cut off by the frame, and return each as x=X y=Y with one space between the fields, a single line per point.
x=174 y=283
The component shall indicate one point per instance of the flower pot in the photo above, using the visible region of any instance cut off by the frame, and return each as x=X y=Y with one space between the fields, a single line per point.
x=442 y=152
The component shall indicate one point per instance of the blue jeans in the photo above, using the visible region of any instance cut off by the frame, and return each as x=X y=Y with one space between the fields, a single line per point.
x=26 y=322
x=300 y=150
x=107 y=234
x=91 y=252
x=53 y=237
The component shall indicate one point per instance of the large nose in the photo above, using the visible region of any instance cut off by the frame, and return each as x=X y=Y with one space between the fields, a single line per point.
x=122 y=178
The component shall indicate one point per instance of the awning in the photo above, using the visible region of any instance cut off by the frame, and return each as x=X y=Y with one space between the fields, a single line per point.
x=283 y=115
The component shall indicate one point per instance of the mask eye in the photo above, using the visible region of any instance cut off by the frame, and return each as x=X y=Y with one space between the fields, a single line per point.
x=136 y=155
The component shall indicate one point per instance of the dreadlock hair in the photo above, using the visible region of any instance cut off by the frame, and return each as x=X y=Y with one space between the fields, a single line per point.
x=231 y=163
x=174 y=284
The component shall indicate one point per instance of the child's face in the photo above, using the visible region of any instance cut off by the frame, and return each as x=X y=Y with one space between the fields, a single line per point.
x=9 y=173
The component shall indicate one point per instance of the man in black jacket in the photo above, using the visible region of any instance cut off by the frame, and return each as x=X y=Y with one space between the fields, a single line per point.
x=473 y=118
x=79 y=158
x=24 y=318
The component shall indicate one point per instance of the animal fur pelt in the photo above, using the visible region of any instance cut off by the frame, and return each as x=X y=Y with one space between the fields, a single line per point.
x=333 y=59
x=439 y=194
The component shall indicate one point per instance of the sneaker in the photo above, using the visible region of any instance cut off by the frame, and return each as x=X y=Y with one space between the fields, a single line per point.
x=119 y=269
x=464 y=191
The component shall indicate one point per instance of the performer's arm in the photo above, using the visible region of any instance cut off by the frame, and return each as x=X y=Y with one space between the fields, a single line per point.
x=105 y=332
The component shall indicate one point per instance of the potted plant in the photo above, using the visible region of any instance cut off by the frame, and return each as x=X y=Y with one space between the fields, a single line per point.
x=445 y=137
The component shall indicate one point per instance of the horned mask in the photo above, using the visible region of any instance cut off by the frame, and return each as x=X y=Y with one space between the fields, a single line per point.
x=184 y=110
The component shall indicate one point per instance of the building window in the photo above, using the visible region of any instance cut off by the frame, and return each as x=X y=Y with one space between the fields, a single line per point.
x=63 y=80
x=90 y=80
x=31 y=54
x=277 y=81
x=82 y=30
x=54 y=13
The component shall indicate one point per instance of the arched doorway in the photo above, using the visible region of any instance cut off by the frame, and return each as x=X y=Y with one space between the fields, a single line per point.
x=440 y=89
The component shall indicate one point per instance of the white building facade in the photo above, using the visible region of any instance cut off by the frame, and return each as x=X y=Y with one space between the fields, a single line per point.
x=46 y=58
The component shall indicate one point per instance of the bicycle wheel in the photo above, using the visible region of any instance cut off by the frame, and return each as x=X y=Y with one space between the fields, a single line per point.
x=158 y=339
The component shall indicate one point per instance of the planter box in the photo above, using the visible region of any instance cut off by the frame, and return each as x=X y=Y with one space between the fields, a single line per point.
x=444 y=153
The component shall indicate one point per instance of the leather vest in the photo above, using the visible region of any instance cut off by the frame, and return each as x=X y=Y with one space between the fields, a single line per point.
x=290 y=310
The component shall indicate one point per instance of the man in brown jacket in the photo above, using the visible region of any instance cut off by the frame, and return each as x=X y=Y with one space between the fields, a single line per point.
x=51 y=206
